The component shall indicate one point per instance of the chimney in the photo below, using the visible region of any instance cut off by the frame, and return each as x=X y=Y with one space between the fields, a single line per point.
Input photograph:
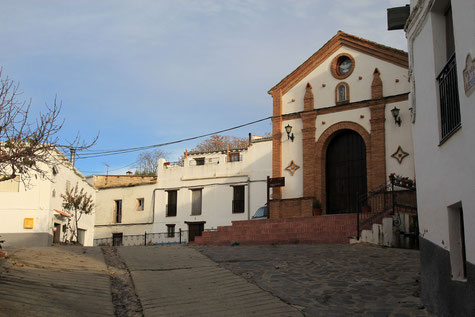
x=72 y=156
x=250 y=138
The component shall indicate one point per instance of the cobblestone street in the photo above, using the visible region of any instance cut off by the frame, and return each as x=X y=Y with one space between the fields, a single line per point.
x=331 y=280
x=284 y=280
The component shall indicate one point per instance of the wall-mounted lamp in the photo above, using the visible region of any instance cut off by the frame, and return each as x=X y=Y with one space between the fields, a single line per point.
x=395 y=113
x=288 y=129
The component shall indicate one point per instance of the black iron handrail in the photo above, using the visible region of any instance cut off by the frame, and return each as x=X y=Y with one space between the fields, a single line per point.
x=383 y=201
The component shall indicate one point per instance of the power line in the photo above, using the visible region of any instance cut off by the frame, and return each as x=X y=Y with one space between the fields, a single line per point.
x=111 y=170
x=141 y=148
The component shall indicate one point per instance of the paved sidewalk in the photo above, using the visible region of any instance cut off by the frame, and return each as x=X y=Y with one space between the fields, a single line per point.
x=331 y=280
x=55 y=281
x=179 y=281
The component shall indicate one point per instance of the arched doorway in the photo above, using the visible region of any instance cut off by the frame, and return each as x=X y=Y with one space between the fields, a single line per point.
x=345 y=172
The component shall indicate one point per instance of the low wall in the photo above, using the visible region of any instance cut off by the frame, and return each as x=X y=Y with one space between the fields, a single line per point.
x=291 y=208
x=20 y=240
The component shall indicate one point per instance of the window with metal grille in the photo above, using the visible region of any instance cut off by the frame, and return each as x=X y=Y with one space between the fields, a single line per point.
x=196 y=195
x=448 y=88
x=170 y=231
x=238 y=199
x=171 y=205
x=234 y=157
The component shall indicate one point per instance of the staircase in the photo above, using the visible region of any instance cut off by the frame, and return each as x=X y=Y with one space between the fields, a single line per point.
x=388 y=216
x=319 y=229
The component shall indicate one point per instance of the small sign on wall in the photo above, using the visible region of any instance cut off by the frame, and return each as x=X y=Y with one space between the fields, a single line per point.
x=28 y=223
x=469 y=75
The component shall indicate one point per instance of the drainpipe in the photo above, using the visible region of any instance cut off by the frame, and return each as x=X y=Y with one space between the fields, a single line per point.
x=248 y=198
x=153 y=205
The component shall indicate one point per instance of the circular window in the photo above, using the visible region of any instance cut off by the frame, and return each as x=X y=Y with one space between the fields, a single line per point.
x=342 y=66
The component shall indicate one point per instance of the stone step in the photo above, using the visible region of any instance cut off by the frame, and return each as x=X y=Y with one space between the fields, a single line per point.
x=320 y=229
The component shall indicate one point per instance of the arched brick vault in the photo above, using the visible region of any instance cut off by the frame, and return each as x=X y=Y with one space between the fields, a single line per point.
x=320 y=156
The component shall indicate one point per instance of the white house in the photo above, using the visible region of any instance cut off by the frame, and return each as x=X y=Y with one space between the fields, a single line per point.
x=341 y=126
x=32 y=214
x=124 y=208
x=441 y=38
x=206 y=190
x=212 y=189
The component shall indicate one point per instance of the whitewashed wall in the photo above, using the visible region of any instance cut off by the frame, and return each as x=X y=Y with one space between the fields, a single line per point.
x=292 y=151
x=105 y=210
x=215 y=178
x=399 y=136
x=445 y=172
x=36 y=201
x=360 y=90
x=66 y=173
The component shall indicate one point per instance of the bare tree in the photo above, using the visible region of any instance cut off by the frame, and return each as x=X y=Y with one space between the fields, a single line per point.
x=24 y=143
x=77 y=203
x=147 y=163
x=218 y=142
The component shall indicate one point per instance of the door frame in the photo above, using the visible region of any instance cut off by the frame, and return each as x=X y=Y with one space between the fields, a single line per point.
x=320 y=157
x=360 y=180
x=57 y=232
x=191 y=234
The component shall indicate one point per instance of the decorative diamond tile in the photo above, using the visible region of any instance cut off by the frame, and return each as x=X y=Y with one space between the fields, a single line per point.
x=292 y=168
x=399 y=155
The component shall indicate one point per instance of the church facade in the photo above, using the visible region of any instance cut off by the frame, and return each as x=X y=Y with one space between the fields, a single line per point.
x=341 y=125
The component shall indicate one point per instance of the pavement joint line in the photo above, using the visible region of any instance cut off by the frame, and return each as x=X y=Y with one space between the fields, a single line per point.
x=257 y=285
x=162 y=270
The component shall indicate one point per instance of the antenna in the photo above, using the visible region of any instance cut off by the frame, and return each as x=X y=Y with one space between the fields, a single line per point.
x=107 y=172
x=107 y=165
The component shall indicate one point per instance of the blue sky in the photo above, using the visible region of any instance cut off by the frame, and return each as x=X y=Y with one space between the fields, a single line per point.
x=146 y=72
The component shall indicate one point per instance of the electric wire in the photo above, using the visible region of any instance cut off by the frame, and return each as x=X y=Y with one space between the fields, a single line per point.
x=112 y=170
x=147 y=147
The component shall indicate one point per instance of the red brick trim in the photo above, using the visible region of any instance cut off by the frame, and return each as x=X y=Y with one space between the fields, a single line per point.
x=374 y=49
x=277 y=103
x=335 y=64
x=308 y=100
x=349 y=106
x=377 y=172
x=376 y=85
x=347 y=94
x=321 y=150
x=277 y=142
x=292 y=116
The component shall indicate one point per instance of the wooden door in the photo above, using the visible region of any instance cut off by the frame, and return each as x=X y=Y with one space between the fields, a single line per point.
x=345 y=172
x=57 y=233
x=195 y=229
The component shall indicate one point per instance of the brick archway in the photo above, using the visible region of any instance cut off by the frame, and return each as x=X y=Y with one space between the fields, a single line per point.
x=320 y=156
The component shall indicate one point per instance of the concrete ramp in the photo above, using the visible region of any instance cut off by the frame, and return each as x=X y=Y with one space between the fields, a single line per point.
x=180 y=281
